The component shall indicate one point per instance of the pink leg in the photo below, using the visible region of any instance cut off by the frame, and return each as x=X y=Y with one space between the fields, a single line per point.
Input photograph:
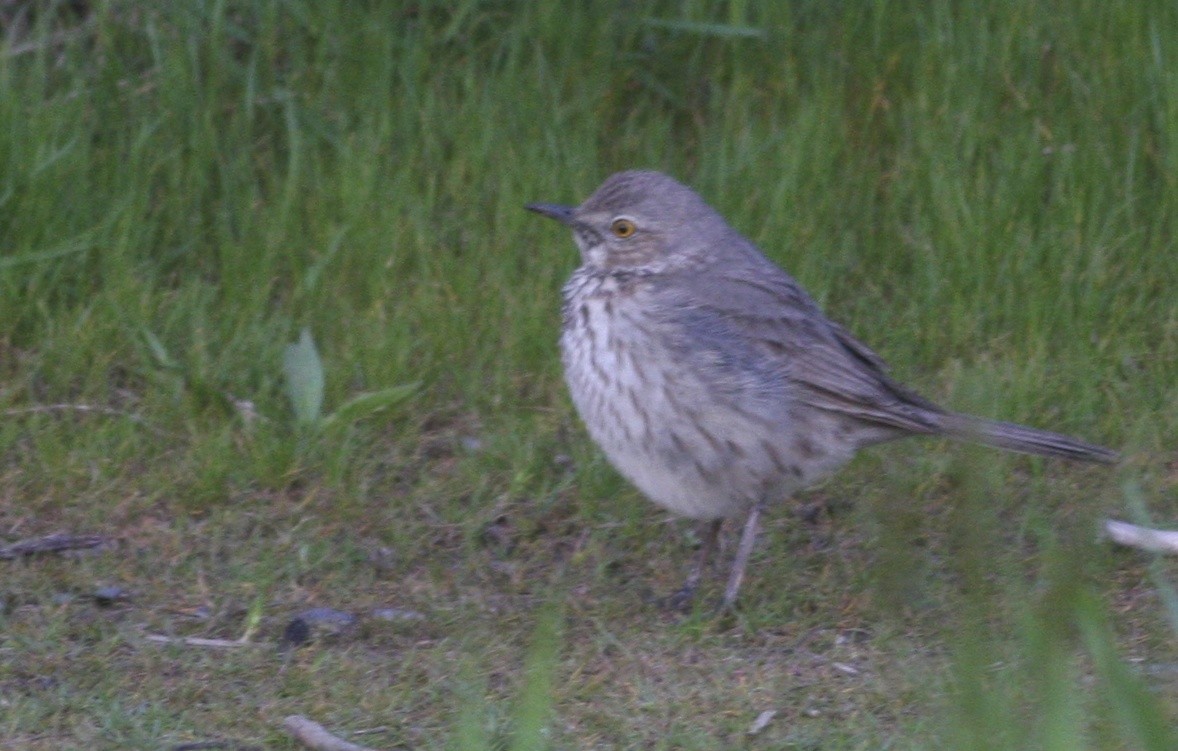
x=711 y=534
x=747 y=539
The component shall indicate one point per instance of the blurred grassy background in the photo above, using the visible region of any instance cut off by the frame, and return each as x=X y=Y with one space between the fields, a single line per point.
x=985 y=193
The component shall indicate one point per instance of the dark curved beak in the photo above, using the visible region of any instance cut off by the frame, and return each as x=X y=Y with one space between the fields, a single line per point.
x=562 y=214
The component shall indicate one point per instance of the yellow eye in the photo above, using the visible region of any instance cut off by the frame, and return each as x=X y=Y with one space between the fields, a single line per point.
x=623 y=228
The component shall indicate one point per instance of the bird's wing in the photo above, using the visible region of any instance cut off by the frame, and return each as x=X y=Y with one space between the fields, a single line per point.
x=766 y=315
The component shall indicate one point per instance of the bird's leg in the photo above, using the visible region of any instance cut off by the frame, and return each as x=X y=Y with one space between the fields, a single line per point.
x=706 y=549
x=685 y=594
x=747 y=538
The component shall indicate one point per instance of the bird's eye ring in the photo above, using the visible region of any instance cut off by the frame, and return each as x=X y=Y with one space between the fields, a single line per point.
x=623 y=228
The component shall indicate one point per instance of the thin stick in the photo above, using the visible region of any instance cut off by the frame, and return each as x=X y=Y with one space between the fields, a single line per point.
x=313 y=735
x=93 y=409
x=197 y=641
x=371 y=731
x=54 y=543
x=1142 y=538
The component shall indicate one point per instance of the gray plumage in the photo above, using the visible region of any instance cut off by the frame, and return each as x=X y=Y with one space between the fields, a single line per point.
x=707 y=374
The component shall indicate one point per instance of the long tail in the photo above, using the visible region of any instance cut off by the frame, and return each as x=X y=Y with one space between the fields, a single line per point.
x=1014 y=437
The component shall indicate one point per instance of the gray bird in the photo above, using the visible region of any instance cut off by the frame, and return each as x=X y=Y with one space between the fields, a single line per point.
x=712 y=381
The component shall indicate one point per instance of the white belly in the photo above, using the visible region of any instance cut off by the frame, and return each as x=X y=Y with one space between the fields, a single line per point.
x=658 y=426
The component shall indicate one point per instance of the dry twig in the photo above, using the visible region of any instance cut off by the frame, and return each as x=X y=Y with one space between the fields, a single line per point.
x=313 y=735
x=197 y=641
x=54 y=543
x=1142 y=538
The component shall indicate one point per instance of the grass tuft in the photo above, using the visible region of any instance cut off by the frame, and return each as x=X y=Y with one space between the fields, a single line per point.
x=272 y=317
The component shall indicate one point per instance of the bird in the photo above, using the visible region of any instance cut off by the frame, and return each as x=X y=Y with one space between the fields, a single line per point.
x=712 y=381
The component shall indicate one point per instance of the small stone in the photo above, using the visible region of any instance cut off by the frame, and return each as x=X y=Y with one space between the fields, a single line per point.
x=382 y=558
x=762 y=721
x=104 y=597
x=564 y=462
x=296 y=633
x=318 y=623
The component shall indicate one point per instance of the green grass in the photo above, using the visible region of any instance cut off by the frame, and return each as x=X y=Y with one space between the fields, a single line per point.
x=985 y=193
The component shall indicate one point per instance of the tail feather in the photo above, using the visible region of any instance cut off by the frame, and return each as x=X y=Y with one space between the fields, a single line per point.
x=1014 y=437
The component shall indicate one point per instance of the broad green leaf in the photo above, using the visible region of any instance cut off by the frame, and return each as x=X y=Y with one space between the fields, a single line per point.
x=304 y=379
